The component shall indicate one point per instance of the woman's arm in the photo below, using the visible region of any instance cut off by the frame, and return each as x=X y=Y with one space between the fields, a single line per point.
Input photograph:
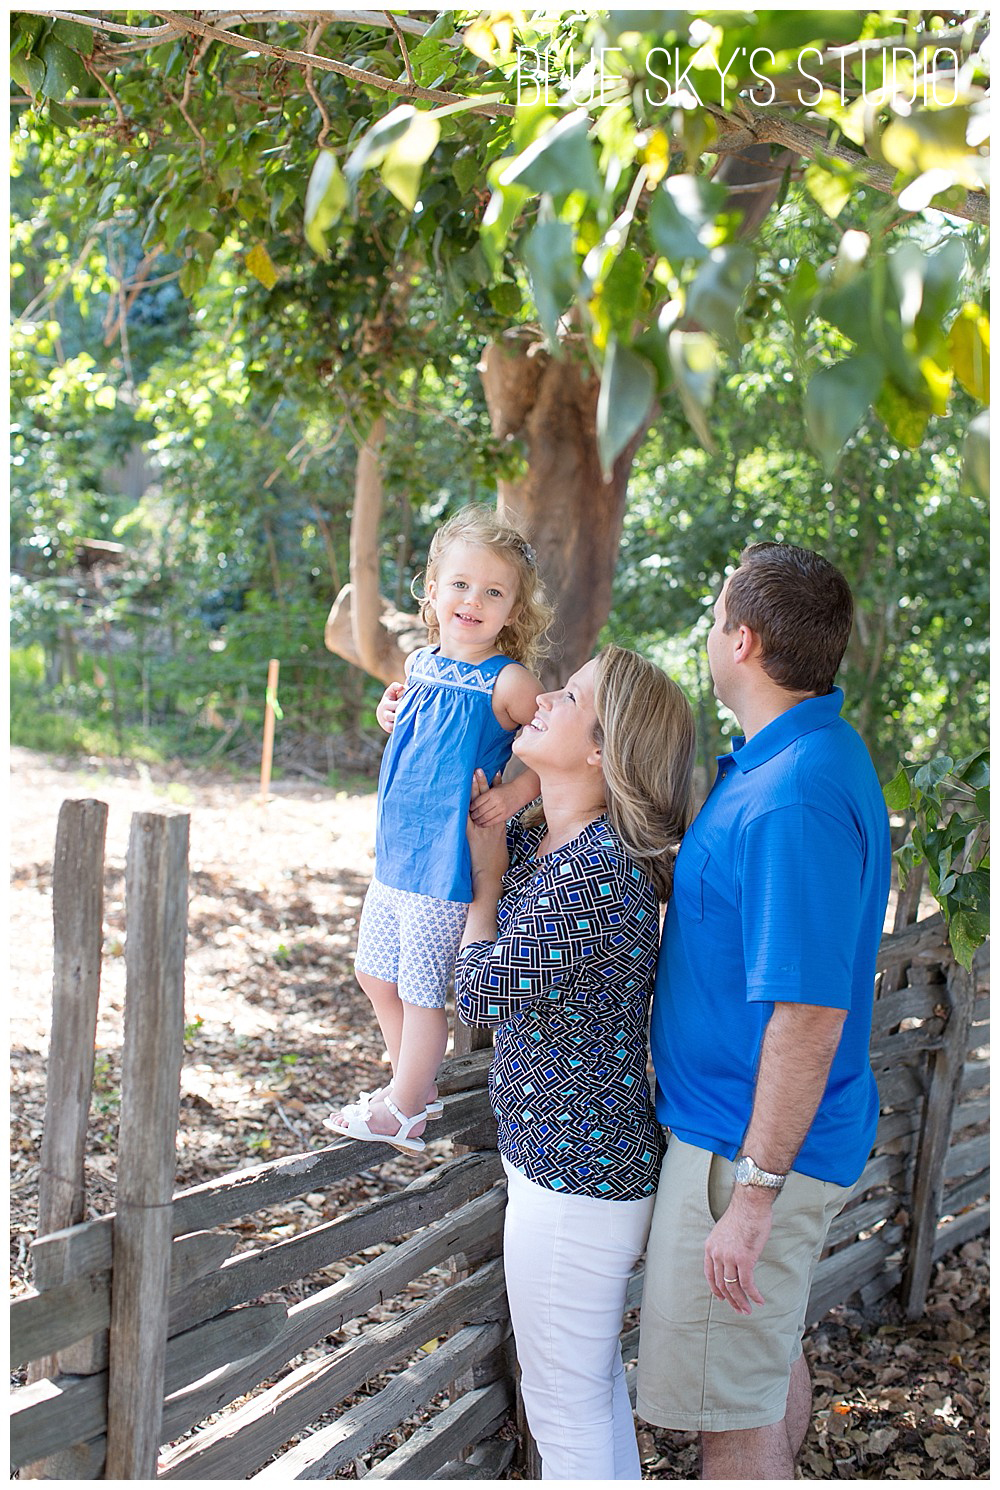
x=559 y=927
x=490 y=858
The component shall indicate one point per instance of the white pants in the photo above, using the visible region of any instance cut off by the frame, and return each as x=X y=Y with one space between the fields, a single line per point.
x=567 y=1260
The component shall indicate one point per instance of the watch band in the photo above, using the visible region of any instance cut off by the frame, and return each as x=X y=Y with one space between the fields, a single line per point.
x=748 y=1172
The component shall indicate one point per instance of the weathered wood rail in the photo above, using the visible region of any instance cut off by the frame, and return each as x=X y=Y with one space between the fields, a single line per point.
x=155 y=1350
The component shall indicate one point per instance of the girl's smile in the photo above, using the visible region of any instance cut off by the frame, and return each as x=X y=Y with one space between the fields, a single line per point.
x=474 y=595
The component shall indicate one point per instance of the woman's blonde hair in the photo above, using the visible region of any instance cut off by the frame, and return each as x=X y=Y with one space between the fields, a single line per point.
x=645 y=730
x=524 y=636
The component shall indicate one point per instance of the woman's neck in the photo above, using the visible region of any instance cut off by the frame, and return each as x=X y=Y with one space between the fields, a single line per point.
x=567 y=812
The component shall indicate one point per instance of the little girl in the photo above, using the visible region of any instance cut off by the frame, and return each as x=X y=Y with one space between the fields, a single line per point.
x=458 y=712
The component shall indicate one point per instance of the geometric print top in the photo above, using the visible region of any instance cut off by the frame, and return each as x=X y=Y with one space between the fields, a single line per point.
x=445 y=728
x=566 y=987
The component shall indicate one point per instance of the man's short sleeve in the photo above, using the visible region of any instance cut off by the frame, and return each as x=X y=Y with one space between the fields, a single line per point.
x=800 y=902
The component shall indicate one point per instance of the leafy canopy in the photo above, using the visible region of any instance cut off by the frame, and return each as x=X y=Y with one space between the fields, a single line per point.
x=556 y=169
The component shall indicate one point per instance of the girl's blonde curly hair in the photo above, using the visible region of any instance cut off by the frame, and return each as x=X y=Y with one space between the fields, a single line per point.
x=524 y=636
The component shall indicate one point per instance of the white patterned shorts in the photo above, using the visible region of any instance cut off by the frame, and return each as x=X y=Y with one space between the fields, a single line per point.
x=410 y=940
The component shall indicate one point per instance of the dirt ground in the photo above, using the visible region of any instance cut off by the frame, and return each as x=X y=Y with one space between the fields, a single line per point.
x=277 y=1032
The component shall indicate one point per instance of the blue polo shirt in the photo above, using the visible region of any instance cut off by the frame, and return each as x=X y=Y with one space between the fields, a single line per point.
x=779 y=895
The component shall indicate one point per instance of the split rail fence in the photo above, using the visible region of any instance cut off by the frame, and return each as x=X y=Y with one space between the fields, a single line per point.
x=145 y=1324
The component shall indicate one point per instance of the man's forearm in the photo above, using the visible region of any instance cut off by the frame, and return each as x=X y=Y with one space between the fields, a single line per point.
x=799 y=1045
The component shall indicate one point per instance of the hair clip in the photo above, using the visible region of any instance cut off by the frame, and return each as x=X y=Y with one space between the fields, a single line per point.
x=528 y=552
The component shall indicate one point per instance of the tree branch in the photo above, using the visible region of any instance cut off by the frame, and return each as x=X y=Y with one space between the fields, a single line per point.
x=753 y=125
x=328 y=64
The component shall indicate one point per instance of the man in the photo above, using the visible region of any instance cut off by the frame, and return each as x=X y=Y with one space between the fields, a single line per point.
x=761 y=1024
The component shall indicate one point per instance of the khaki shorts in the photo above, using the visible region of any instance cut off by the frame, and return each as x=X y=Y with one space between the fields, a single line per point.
x=702 y=1366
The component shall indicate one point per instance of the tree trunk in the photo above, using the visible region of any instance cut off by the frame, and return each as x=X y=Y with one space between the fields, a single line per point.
x=571 y=514
x=362 y=627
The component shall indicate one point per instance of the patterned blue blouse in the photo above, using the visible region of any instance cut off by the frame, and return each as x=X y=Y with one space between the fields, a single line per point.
x=566 y=986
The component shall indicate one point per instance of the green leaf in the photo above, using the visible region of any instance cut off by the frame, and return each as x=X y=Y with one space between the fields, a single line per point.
x=836 y=401
x=904 y=418
x=61 y=117
x=466 y=170
x=969 y=351
x=193 y=276
x=620 y=294
x=261 y=266
x=897 y=791
x=974 y=770
x=967 y=930
x=716 y=292
x=930 y=775
x=405 y=159
x=799 y=296
x=505 y=298
x=628 y=388
x=28 y=73
x=652 y=343
x=694 y=360
x=24 y=32
x=983 y=801
x=976 y=456
x=682 y=216
x=501 y=213
x=831 y=184
x=79 y=38
x=63 y=69
x=930 y=140
x=371 y=149
x=559 y=161
x=326 y=198
x=925 y=286
x=552 y=269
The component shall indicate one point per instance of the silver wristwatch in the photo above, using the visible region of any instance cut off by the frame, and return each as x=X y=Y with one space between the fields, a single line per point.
x=748 y=1173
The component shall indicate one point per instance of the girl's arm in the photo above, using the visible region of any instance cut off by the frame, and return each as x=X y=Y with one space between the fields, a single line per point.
x=503 y=800
x=490 y=858
x=515 y=694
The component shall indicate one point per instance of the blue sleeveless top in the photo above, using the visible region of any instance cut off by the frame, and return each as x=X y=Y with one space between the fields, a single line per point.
x=445 y=728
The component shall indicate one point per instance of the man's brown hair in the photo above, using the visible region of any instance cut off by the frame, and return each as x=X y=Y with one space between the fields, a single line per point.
x=801 y=608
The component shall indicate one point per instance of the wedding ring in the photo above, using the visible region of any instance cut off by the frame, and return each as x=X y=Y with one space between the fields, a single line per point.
x=729 y=1280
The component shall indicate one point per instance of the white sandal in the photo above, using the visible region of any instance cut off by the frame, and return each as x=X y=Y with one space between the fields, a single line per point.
x=354 y=1124
x=434 y=1108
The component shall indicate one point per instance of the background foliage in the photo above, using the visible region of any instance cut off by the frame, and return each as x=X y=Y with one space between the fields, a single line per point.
x=229 y=261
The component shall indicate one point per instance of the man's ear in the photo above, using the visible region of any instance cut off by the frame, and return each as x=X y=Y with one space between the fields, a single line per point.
x=747 y=643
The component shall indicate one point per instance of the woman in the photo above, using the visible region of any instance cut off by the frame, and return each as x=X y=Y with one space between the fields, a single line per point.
x=558 y=956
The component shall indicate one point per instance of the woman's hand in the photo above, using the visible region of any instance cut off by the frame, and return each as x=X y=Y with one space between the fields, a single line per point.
x=488 y=852
x=487 y=840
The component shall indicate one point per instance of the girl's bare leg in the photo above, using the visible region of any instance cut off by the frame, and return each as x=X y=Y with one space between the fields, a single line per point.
x=388 y=1008
x=422 y=1047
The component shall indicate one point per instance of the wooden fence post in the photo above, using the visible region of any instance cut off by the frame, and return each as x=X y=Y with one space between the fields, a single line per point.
x=156 y=919
x=77 y=932
x=946 y=1068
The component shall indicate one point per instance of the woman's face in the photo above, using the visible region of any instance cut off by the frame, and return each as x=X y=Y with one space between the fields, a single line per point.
x=561 y=735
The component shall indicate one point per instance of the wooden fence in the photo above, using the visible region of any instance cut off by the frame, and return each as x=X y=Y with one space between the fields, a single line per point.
x=146 y=1324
